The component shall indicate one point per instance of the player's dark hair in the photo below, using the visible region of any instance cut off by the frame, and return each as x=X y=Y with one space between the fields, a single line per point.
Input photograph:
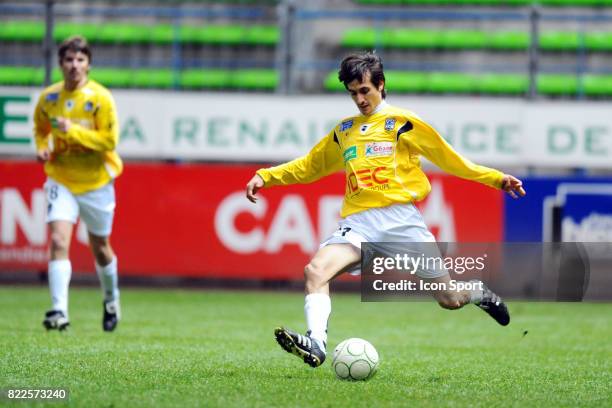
x=74 y=44
x=355 y=66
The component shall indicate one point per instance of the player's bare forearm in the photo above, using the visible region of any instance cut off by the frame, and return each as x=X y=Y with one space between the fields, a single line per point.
x=513 y=186
x=253 y=186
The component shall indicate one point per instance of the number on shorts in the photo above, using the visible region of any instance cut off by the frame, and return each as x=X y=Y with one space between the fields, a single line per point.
x=53 y=193
x=345 y=230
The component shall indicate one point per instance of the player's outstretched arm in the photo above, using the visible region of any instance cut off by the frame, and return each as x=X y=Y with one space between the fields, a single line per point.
x=253 y=186
x=513 y=186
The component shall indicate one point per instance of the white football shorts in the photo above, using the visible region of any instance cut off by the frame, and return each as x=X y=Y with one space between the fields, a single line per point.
x=96 y=208
x=396 y=223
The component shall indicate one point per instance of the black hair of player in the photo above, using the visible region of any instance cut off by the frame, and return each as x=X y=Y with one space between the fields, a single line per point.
x=355 y=67
x=75 y=44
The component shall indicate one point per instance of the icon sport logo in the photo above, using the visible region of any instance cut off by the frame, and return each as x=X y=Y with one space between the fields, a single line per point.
x=378 y=149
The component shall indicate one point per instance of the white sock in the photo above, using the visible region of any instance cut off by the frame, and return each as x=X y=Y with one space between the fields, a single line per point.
x=317 y=308
x=476 y=294
x=109 y=280
x=59 y=272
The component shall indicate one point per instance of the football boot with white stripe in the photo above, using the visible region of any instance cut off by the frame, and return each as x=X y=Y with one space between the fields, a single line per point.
x=303 y=346
x=112 y=315
x=55 y=320
x=494 y=306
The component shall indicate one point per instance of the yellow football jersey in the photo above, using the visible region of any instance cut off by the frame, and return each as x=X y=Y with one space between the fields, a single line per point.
x=380 y=154
x=84 y=158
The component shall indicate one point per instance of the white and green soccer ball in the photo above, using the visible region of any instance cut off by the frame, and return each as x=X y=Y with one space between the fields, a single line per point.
x=355 y=359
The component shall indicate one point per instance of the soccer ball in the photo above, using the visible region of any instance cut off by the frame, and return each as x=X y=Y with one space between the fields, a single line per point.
x=355 y=359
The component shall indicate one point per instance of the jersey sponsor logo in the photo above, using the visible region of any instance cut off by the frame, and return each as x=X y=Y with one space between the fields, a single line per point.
x=350 y=153
x=52 y=97
x=364 y=128
x=389 y=124
x=378 y=149
x=370 y=178
x=346 y=125
x=60 y=146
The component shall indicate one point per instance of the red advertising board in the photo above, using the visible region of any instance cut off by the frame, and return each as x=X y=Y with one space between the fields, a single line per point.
x=193 y=220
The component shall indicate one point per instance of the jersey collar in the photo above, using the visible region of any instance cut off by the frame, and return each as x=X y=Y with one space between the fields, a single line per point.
x=382 y=105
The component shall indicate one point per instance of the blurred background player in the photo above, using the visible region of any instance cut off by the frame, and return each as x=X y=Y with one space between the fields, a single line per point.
x=76 y=131
x=378 y=150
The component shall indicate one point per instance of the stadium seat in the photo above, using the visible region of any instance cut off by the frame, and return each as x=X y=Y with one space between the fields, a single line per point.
x=369 y=38
x=161 y=34
x=486 y=83
x=559 y=40
x=412 y=38
x=25 y=31
x=17 y=76
x=331 y=83
x=463 y=39
x=62 y=31
x=205 y=78
x=153 y=78
x=117 y=33
x=597 y=85
x=557 y=84
x=413 y=82
x=601 y=41
x=218 y=35
x=503 y=84
x=112 y=77
x=508 y=40
x=262 y=35
x=443 y=82
x=254 y=79
x=359 y=38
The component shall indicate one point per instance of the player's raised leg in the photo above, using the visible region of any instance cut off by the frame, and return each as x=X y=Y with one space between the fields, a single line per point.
x=59 y=272
x=479 y=294
x=327 y=263
x=106 y=268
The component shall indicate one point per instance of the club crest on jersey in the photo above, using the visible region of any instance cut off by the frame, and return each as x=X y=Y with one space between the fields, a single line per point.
x=346 y=125
x=364 y=128
x=389 y=124
x=88 y=106
x=378 y=149
x=350 y=153
x=69 y=104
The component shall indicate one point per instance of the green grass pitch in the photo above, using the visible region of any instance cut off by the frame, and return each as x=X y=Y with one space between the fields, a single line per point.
x=189 y=348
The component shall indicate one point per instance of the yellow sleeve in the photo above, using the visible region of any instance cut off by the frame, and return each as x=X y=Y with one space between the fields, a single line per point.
x=42 y=125
x=105 y=136
x=428 y=143
x=323 y=159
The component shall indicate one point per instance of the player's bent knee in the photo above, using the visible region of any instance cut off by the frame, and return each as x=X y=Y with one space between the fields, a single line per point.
x=314 y=276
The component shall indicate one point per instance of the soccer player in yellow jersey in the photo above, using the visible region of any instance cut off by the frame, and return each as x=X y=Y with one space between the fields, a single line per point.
x=379 y=151
x=75 y=127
